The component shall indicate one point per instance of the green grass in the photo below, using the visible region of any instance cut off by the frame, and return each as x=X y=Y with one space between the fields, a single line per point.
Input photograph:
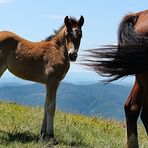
x=20 y=128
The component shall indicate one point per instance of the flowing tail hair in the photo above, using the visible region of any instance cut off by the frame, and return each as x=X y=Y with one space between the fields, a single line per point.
x=129 y=57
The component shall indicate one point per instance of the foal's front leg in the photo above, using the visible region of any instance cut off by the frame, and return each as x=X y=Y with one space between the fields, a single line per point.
x=47 y=130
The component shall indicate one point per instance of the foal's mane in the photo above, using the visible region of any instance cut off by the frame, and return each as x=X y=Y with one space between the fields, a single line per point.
x=73 y=21
x=55 y=33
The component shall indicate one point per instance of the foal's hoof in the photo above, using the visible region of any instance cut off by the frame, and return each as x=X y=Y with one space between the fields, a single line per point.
x=49 y=138
x=52 y=141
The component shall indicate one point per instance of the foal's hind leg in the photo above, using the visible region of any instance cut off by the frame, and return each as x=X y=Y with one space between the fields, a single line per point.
x=3 y=66
x=2 y=69
x=132 y=110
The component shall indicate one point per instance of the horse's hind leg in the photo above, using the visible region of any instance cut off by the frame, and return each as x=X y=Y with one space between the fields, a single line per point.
x=132 y=111
x=144 y=113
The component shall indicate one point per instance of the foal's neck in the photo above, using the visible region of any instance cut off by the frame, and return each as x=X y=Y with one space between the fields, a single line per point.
x=60 y=38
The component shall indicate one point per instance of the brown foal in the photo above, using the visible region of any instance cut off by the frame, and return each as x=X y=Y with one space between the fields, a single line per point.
x=44 y=62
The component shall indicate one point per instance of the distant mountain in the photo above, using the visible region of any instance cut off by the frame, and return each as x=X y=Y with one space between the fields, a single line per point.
x=93 y=99
x=80 y=77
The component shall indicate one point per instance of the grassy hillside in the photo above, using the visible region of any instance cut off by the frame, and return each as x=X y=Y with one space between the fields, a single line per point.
x=19 y=128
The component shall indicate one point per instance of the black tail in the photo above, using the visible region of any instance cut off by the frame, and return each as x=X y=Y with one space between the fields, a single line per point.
x=129 y=57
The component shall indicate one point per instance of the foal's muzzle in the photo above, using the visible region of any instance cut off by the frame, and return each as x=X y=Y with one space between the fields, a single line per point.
x=73 y=56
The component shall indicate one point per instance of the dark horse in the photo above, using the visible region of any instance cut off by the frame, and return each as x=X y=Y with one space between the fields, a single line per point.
x=129 y=57
x=44 y=62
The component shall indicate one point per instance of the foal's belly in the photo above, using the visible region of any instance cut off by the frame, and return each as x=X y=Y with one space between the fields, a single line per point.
x=32 y=71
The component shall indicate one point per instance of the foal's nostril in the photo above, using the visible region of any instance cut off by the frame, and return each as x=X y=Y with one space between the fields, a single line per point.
x=73 y=56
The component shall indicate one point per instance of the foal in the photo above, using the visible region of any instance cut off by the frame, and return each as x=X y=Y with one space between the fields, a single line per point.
x=44 y=62
x=128 y=58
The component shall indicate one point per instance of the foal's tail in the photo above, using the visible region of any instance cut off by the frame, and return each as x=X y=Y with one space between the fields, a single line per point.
x=129 y=57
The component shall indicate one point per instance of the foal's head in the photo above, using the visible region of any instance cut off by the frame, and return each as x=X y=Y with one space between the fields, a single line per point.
x=73 y=36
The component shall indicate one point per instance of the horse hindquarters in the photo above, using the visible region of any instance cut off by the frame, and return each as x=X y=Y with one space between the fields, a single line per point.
x=132 y=111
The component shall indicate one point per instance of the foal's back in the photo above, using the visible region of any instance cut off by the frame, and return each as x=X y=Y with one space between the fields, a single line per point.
x=20 y=56
x=27 y=59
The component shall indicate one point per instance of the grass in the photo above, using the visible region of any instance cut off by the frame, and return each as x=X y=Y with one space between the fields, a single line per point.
x=20 y=128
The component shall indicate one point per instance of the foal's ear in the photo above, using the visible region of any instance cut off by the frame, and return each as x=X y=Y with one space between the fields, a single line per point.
x=81 y=21
x=67 y=21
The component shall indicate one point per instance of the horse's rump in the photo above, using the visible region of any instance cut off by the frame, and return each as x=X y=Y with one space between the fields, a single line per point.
x=129 y=57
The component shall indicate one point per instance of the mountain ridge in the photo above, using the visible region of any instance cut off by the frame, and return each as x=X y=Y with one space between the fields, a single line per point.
x=92 y=99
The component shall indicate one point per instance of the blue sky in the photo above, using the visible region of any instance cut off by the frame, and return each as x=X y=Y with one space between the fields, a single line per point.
x=35 y=20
